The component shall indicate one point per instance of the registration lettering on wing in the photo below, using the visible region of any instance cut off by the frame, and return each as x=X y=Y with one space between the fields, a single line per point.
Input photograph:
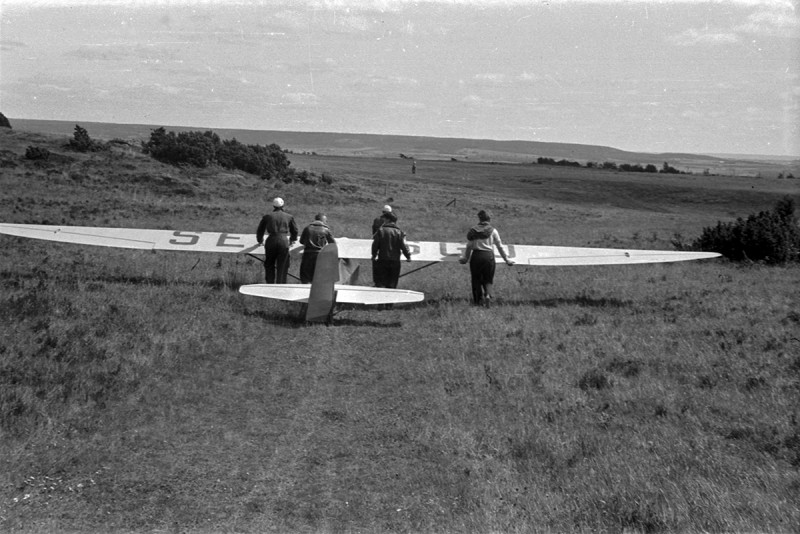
x=212 y=242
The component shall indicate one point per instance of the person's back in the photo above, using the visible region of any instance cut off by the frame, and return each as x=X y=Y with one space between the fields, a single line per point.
x=484 y=237
x=281 y=233
x=390 y=242
x=479 y=252
x=315 y=236
x=387 y=245
x=277 y=223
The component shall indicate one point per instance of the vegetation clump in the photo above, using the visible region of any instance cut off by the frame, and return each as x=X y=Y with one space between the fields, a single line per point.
x=771 y=236
x=4 y=122
x=561 y=162
x=611 y=166
x=202 y=149
x=82 y=142
x=37 y=153
x=627 y=167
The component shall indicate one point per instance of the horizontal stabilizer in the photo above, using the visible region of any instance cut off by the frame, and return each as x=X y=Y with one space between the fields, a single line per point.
x=344 y=293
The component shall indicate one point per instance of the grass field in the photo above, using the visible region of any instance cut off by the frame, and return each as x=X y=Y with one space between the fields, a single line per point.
x=141 y=392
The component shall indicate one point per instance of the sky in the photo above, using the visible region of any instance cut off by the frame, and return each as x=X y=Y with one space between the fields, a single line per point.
x=714 y=77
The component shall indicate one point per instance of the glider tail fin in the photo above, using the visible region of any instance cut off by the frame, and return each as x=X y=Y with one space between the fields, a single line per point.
x=323 y=296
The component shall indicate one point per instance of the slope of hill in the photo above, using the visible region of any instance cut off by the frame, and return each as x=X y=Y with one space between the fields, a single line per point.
x=433 y=148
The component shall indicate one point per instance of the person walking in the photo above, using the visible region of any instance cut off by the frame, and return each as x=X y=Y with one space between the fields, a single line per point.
x=384 y=217
x=387 y=245
x=479 y=252
x=281 y=233
x=315 y=236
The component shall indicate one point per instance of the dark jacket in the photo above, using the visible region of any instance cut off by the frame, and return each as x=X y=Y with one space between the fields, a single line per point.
x=315 y=236
x=378 y=222
x=389 y=242
x=277 y=223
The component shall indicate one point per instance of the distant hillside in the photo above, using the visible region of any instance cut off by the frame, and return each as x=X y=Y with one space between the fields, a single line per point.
x=431 y=148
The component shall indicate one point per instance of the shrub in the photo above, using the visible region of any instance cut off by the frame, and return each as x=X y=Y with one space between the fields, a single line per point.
x=81 y=141
x=201 y=149
x=4 y=123
x=192 y=148
x=769 y=236
x=37 y=153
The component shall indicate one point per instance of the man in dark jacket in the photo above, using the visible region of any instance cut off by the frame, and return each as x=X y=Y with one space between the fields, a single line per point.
x=385 y=216
x=315 y=236
x=281 y=233
x=387 y=244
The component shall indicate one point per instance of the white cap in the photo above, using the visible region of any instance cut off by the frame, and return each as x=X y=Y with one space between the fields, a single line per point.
x=278 y=202
x=387 y=209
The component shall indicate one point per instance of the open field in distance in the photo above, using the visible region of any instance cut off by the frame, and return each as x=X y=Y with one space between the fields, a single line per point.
x=141 y=392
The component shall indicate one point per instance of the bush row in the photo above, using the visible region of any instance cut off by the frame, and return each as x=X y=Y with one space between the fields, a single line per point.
x=202 y=149
x=610 y=165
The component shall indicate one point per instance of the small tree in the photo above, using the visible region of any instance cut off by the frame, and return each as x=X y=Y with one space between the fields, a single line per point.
x=82 y=142
x=667 y=169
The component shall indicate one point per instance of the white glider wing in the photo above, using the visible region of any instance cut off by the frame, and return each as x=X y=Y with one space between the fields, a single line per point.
x=136 y=238
x=533 y=255
x=426 y=251
x=344 y=294
x=564 y=256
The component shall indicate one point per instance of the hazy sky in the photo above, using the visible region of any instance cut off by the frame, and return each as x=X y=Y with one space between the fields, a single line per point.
x=656 y=76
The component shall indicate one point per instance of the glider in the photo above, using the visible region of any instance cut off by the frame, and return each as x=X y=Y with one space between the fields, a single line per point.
x=356 y=249
x=322 y=295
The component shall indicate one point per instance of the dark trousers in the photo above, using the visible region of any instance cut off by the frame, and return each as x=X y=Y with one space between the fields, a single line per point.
x=308 y=264
x=481 y=268
x=276 y=259
x=386 y=273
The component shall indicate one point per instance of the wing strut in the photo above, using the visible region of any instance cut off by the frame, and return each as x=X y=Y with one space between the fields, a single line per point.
x=419 y=268
x=262 y=261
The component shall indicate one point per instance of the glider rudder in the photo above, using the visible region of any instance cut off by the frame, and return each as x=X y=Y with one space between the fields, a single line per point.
x=322 y=296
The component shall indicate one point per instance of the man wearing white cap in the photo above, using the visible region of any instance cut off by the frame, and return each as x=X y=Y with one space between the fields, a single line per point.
x=281 y=233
